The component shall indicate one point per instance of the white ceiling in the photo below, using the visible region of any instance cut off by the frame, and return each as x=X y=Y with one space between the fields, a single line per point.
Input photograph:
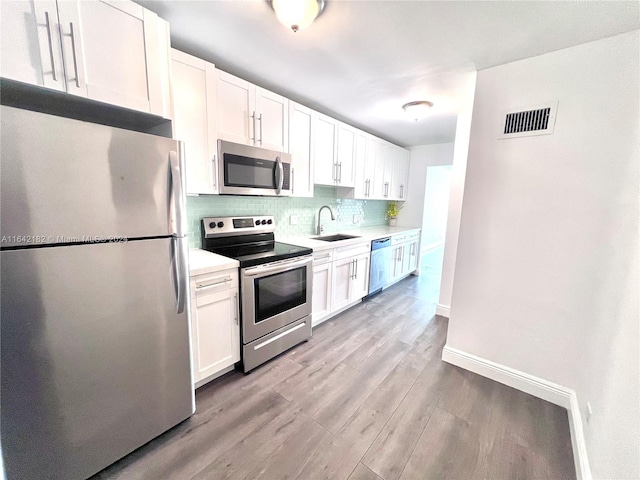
x=360 y=61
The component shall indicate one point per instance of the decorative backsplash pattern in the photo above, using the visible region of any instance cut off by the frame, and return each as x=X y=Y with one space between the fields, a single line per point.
x=368 y=212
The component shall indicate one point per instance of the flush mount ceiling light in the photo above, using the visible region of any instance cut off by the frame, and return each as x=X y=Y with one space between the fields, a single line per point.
x=297 y=14
x=417 y=110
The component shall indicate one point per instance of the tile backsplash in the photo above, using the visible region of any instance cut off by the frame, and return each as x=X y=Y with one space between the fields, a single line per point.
x=368 y=212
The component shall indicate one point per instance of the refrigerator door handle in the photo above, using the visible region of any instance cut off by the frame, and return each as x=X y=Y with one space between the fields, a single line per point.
x=176 y=160
x=180 y=272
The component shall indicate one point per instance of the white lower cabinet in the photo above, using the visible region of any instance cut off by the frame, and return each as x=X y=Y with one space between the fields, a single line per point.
x=343 y=271
x=360 y=282
x=410 y=260
x=404 y=255
x=340 y=279
x=215 y=324
x=322 y=280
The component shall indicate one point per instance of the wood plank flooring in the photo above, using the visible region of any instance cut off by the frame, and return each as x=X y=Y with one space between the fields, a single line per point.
x=367 y=398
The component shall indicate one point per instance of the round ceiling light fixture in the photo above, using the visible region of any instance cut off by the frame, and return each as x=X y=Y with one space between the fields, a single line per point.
x=297 y=14
x=417 y=110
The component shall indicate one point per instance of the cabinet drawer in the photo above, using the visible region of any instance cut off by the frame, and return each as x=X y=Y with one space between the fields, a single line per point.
x=213 y=282
x=352 y=250
x=323 y=256
x=398 y=239
x=404 y=237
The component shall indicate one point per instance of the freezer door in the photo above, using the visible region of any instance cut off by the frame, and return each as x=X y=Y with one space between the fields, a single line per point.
x=95 y=359
x=64 y=180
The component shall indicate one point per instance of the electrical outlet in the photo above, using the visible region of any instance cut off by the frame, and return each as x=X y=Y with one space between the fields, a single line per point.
x=589 y=411
x=356 y=218
x=293 y=220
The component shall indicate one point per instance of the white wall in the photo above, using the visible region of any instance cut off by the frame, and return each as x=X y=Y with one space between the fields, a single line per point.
x=546 y=278
x=436 y=206
x=413 y=212
x=458 y=174
x=421 y=158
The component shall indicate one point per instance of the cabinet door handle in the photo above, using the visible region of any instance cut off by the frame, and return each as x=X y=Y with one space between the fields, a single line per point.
x=253 y=116
x=50 y=38
x=235 y=305
x=334 y=172
x=293 y=177
x=340 y=172
x=74 y=55
x=260 y=120
x=401 y=191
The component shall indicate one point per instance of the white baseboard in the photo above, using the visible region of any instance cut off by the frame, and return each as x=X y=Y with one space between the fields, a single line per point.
x=443 y=310
x=538 y=387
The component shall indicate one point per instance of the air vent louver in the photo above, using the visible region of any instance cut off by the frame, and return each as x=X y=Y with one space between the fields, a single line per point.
x=529 y=121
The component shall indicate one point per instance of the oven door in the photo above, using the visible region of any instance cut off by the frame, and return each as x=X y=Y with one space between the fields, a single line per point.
x=246 y=170
x=274 y=295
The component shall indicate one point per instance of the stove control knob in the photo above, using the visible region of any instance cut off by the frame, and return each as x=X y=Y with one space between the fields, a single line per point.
x=257 y=222
x=220 y=224
x=269 y=222
x=212 y=225
x=264 y=222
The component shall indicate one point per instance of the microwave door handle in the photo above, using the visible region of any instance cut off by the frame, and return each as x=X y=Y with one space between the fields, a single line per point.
x=279 y=175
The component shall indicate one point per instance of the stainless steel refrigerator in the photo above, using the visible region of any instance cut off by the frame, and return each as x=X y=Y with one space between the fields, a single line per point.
x=95 y=356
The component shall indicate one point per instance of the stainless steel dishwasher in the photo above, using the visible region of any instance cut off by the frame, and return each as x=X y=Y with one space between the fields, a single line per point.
x=379 y=271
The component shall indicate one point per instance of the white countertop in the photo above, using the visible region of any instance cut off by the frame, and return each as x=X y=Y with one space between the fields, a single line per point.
x=201 y=261
x=363 y=234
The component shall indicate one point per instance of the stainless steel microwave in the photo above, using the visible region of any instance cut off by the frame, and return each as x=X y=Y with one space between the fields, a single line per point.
x=245 y=170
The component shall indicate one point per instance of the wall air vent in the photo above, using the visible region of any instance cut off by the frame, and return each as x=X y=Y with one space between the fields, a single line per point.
x=528 y=121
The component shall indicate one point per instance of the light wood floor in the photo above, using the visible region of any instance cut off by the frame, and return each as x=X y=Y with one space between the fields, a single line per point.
x=366 y=398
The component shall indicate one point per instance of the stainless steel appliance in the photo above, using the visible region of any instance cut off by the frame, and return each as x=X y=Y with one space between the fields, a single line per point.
x=275 y=284
x=95 y=335
x=379 y=271
x=245 y=170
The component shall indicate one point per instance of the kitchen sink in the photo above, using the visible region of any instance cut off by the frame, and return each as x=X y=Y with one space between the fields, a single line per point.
x=335 y=238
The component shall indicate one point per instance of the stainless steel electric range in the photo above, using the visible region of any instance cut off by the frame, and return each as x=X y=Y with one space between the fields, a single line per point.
x=275 y=284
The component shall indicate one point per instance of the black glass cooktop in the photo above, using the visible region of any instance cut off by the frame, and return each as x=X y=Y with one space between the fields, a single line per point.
x=256 y=253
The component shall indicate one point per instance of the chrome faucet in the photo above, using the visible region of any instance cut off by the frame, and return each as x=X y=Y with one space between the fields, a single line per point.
x=319 y=229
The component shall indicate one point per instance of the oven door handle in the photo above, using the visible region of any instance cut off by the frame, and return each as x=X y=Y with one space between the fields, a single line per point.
x=281 y=267
x=279 y=175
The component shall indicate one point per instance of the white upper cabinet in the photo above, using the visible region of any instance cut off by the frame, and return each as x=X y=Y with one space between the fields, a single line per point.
x=31 y=49
x=251 y=115
x=346 y=155
x=194 y=107
x=325 y=149
x=236 y=109
x=334 y=151
x=112 y=51
x=365 y=165
x=272 y=120
x=300 y=144
x=400 y=174
x=383 y=170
